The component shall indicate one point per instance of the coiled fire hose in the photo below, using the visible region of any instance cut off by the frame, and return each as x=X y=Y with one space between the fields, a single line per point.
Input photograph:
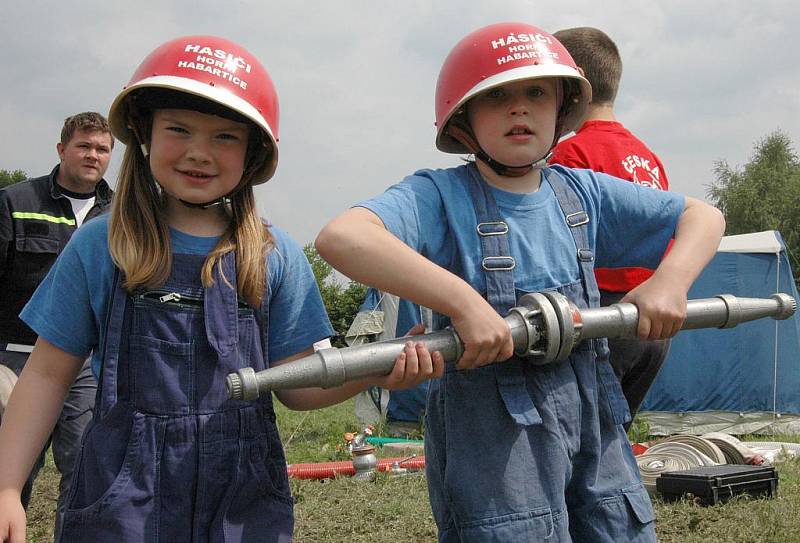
x=676 y=453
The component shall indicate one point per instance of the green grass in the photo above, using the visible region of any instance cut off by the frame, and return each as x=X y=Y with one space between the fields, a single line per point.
x=391 y=508
x=41 y=510
x=740 y=520
x=315 y=436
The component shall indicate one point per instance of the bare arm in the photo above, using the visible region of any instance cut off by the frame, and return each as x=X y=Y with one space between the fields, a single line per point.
x=357 y=244
x=661 y=300
x=34 y=406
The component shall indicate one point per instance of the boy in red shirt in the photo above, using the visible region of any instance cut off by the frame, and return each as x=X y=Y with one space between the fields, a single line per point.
x=602 y=144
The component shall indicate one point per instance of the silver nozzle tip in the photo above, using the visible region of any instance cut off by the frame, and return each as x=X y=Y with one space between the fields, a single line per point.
x=788 y=305
x=242 y=385
x=233 y=386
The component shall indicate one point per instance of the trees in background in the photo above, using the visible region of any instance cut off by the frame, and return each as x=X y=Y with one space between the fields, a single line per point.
x=764 y=194
x=342 y=300
x=9 y=177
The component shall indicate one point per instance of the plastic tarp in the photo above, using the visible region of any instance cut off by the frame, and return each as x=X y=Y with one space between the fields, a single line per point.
x=748 y=373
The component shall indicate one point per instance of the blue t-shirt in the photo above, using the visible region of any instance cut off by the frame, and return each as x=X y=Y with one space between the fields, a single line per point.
x=432 y=212
x=69 y=307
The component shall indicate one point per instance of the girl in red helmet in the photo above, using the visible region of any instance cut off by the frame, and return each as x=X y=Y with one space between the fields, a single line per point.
x=181 y=285
x=515 y=451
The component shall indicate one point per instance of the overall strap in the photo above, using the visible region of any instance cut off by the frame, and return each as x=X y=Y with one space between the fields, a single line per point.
x=221 y=306
x=496 y=262
x=498 y=265
x=262 y=316
x=112 y=338
x=578 y=221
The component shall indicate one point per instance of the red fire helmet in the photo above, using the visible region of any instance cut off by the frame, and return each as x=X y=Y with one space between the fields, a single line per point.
x=495 y=55
x=215 y=69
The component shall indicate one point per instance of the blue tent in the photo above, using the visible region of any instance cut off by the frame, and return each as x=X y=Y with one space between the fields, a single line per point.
x=740 y=380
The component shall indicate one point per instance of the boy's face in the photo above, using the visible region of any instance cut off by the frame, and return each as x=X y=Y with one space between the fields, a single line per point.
x=197 y=157
x=515 y=123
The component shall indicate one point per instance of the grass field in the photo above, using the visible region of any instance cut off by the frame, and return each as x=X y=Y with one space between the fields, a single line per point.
x=396 y=508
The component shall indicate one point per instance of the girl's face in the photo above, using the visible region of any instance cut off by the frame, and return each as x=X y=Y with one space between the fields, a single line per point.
x=197 y=157
x=515 y=123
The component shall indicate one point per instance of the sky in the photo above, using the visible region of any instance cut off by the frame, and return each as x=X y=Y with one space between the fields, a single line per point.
x=703 y=81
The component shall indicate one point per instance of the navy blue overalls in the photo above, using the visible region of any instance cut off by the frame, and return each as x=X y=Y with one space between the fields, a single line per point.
x=168 y=456
x=517 y=452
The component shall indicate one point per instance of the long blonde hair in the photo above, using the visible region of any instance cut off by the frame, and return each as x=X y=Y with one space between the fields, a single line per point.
x=138 y=236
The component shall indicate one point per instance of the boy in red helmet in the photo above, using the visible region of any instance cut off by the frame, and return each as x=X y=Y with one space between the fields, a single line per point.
x=516 y=452
x=602 y=144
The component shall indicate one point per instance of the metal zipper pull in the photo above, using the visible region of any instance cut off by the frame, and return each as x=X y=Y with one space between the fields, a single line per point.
x=171 y=297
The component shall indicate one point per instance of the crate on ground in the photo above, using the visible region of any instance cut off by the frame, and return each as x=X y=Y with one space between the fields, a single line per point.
x=710 y=485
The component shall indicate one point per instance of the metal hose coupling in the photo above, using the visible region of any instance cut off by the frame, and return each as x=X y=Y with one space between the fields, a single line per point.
x=545 y=326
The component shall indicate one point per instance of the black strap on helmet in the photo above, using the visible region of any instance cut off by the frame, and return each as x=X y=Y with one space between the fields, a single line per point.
x=460 y=130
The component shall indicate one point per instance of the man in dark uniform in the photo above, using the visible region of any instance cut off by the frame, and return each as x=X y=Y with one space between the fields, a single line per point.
x=37 y=218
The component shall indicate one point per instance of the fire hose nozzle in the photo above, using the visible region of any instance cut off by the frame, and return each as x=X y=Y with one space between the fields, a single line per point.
x=787 y=305
x=544 y=328
x=242 y=384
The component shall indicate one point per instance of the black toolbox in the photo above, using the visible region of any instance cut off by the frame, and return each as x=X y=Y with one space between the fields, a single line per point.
x=710 y=485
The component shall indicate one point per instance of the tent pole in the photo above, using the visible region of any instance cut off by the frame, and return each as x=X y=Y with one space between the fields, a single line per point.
x=775 y=361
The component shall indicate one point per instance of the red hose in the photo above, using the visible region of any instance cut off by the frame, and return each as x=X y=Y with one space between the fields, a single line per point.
x=327 y=470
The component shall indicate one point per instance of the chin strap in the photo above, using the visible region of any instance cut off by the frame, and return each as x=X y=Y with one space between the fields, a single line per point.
x=219 y=201
x=459 y=129
x=462 y=133
x=512 y=171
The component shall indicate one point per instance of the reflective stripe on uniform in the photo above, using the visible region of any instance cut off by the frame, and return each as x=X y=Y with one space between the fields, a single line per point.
x=42 y=217
x=16 y=348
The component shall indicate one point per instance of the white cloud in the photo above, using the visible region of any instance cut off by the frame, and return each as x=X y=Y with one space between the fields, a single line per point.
x=703 y=81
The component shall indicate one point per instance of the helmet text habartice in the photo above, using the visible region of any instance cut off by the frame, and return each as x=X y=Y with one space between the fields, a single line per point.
x=203 y=65
x=527 y=54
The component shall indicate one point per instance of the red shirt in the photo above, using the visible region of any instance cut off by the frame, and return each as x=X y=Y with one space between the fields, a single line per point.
x=608 y=147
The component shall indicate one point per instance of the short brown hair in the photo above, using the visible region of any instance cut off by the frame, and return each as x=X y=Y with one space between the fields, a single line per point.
x=598 y=56
x=88 y=120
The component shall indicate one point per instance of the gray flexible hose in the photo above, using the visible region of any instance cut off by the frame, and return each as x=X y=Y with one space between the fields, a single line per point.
x=683 y=449
x=735 y=451
x=652 y=465
x=705 y=446
x=774 y=450
x=676 y=453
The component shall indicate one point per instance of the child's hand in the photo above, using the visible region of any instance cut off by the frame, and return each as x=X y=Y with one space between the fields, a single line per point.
x=413 y=366
x=662 y=308
x=12 y=518
x=486 y=336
